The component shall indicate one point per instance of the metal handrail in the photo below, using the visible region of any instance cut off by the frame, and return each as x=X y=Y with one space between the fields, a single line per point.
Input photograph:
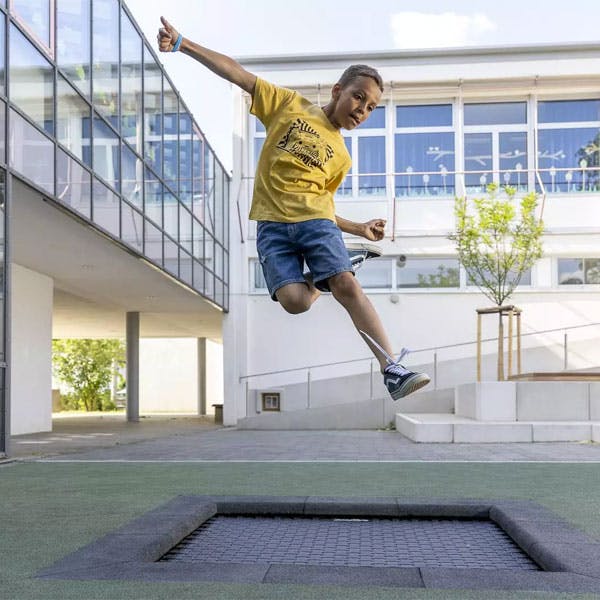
x=433 y=348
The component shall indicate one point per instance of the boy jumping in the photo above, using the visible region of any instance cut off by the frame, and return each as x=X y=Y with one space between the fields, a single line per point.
x=302 y=163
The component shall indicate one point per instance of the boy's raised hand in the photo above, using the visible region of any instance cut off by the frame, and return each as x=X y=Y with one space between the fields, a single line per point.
x=374 y=229
x=167 y=36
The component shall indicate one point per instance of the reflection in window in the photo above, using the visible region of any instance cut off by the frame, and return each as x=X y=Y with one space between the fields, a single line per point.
x=132 y=227
x=219 y=203
x=345 y=189
x=428 y=115
x=259 y=142
x=72 y=114
x=198 y=274
x=198 y=234
x=2 y=55
x=73 y=184
x=185 y=228
x=428 y=273
x=106 y=58
x=132 y=177
x=376 y=273
x=431 y=155
x=569 y=159
x=171 y=256
x=73 y=41
x=35 y=14
x=131 y=83
x=152 y=112
x=478 y=161
x=513 y=159
x=31 y=81
x=566 y=111
x=170 y=130
x=258 y=281
x=171 y=214
x=2 y=132
x=185 y=158
x=578 y=271
x=376 y=119
x=31 y=152
x=106 y=153
x=510 y=278
x=209 y=189
x=153 y=246
x=153 y=198
x=185 y=267
x=198 y=176
x=106 y=208
x=2 y=267
x=496 y=113
x=371 y=159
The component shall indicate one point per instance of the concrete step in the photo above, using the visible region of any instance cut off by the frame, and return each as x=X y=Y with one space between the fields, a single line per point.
x=451 y=428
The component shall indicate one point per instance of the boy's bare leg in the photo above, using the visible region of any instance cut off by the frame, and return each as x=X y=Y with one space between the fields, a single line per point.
x=297 y=297
x=348 y=292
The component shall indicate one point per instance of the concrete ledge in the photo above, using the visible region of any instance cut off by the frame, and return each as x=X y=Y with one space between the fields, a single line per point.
x=553 y=401
x=479 y=433
x=131 y=552
x=414 y=429
x=561 y=432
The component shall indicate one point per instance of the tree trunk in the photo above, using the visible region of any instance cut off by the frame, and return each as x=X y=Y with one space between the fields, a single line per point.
x=500 y=348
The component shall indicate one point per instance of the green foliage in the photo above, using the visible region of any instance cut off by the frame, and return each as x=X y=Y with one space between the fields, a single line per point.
x=497 y=244
x=445 y=277
x=86 y=366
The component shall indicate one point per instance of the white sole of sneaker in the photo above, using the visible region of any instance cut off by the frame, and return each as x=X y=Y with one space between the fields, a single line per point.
x=412 y=384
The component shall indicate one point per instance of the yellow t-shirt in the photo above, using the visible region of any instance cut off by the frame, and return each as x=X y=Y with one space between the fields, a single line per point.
x=303 y=160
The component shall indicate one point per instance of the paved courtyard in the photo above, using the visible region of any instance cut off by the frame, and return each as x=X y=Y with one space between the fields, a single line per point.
x=89 y=476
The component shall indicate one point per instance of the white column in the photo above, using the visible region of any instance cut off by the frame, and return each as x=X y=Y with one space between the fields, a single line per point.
x=31 y=351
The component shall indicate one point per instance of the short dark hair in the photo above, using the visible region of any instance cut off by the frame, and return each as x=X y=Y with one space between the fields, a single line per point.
x=354 y=71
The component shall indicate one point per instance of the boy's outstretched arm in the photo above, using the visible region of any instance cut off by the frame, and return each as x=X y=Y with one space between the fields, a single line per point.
x=373 y=230
x=222 y=65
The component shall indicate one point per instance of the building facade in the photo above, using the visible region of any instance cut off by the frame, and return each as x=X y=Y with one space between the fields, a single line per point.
x=113 y=201
x=449 y=123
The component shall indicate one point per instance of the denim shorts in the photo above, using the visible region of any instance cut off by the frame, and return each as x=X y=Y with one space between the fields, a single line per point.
x=284 y=247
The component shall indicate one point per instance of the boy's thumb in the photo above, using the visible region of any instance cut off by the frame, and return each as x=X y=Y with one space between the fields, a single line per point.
x=165 y=23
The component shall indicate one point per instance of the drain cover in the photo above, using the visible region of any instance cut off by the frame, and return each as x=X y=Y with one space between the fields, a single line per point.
x=372 y=542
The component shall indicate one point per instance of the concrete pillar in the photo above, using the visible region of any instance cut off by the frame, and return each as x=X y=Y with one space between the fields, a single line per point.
x=202 y=376
x=133 y=366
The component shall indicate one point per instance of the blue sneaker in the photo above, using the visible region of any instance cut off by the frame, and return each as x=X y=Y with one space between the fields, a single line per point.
x=398 y=380
x=357 y=253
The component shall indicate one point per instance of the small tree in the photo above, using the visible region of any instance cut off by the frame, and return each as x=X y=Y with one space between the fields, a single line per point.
x=87 y=366
x=496 y=245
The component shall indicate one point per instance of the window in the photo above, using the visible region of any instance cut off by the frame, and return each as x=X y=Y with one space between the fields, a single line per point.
x=2 y=55
x=376 y=273
x=424 y=151
x=153 y=197
x=271 y=401
x=132 y=227
x=132 y=176
x=106 y=153
x=496 y=113
x=185 y=157
x=366 y=146
x=73 y=184
x=569 y=145
x=73 y=42
x=105 y=51
x=131 y=83
x=257 y=279
x=31 y=81
x=31 y=153
x=434 y=272
x=37 y=16
x=106 y=210
x=171 y=132
x=72 y=113
x=525 y=278
x=153 y=119
x=495 y=144
x=578 y=271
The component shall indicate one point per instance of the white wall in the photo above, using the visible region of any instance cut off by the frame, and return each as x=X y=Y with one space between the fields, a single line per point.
x=31 y=351
x=170 y=375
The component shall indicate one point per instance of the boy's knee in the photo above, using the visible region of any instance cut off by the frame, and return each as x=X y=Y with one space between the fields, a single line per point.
x=344 y=285
x=295 y=307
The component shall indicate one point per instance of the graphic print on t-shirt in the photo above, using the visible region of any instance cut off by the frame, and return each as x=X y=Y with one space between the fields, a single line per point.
x=303 y=142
